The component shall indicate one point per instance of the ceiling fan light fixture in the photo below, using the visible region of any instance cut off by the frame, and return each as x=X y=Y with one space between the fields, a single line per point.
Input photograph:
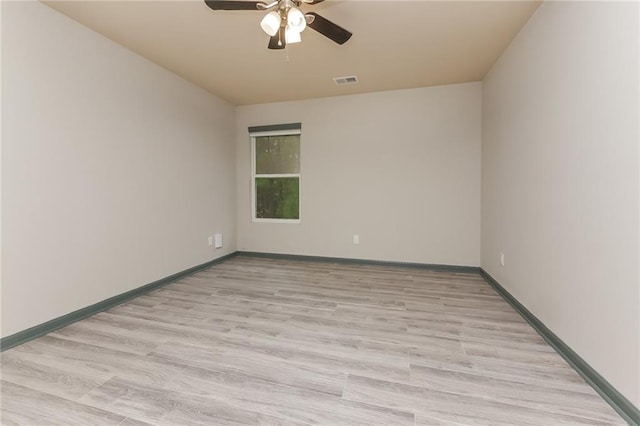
x=296 y=20
x=284 y=20
x=270 y=23
x=291 y=36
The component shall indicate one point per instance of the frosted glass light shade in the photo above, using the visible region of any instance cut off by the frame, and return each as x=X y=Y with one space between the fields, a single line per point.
x=292 y=36
x=271 y=23
x=296 y=21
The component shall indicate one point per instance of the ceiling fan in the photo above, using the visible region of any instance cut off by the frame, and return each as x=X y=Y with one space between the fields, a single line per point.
x=286 y=21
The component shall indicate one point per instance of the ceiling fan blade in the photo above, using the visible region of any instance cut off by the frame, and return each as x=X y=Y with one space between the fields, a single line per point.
x=329 y=29
x=312 y=1
x=233 y=5
x=278 y=41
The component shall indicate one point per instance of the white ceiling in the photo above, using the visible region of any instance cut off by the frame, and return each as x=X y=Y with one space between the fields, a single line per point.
x=396 y=44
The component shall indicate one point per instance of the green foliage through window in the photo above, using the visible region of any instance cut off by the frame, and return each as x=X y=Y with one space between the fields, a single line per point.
x=277 y=176
x=277 y=198
x=277 y=154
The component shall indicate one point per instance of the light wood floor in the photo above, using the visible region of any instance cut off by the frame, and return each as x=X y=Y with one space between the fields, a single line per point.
x=258 y=341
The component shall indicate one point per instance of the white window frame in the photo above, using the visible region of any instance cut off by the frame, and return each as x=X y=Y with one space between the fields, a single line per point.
x=254 y=175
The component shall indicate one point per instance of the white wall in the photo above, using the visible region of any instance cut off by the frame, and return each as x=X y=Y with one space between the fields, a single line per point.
x=560 y=179
x=115 y=171
x=1 y=170
x=399 y=168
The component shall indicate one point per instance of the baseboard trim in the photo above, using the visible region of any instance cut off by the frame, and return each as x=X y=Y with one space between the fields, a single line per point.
x=351 y=261
x=64 y=320
x=619 y=402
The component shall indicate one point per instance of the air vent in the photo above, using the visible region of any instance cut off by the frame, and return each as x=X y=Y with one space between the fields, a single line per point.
x=352 y=79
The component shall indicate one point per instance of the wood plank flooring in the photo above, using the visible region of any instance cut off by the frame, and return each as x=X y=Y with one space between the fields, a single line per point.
x=275 y=342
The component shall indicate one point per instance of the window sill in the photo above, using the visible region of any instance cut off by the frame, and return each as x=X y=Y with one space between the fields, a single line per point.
x=293 y=221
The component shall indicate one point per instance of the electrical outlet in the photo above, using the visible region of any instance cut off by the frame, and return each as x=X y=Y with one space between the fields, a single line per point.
x=210 y=240
x=356 y=239
x=218 y=240
x=501 y=259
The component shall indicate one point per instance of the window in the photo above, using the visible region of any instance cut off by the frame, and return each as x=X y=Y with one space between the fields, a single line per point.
x=276 y=175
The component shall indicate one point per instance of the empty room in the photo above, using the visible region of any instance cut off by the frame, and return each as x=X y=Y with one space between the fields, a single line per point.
x=308 y=212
